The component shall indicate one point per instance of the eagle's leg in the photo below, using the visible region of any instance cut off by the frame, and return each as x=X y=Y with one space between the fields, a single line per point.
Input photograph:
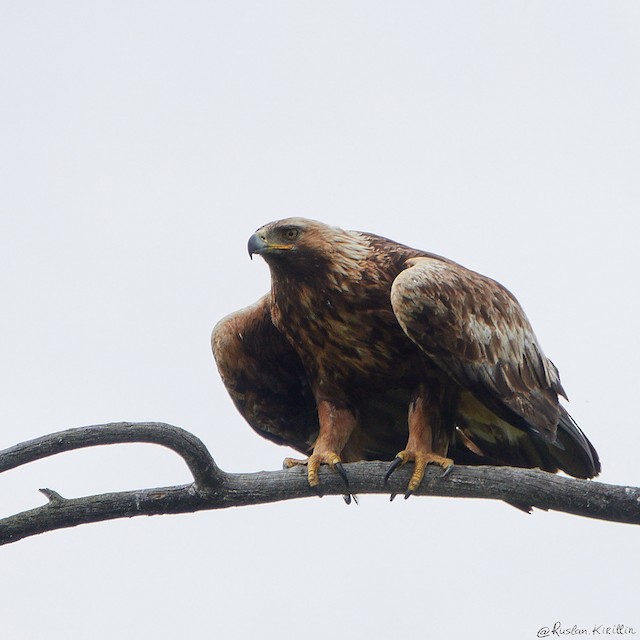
x=431 y=423
x=336 y=426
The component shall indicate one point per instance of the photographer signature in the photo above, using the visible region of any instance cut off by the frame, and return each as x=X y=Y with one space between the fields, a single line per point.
x=558 y=630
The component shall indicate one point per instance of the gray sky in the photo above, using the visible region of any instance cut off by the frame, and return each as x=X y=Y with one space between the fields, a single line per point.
x=141 y=143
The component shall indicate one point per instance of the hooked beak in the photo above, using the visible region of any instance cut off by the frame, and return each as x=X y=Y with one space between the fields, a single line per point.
x=257 y=244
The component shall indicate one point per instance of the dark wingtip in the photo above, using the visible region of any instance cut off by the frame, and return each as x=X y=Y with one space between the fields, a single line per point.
x=578 y=456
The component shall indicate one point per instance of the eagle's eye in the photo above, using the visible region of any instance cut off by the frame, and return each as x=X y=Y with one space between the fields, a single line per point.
x=291 y=234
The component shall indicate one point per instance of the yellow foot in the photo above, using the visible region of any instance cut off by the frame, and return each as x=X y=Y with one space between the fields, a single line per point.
x=421 y=460
x=313 y=463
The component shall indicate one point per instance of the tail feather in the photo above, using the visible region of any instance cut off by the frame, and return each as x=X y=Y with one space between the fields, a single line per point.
x=482 y=441
x=573 y=452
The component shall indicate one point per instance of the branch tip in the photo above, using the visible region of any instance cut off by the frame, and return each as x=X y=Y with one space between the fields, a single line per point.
x=52 y=496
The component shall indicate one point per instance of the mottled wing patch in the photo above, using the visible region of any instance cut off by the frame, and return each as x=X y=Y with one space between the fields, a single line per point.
x=475 y=330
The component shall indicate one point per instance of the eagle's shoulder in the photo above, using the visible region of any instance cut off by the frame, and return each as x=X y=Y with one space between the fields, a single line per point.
x=474 y=329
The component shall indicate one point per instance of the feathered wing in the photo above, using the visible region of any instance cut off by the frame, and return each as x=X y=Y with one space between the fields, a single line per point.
x=474 y=329
x=264 y=377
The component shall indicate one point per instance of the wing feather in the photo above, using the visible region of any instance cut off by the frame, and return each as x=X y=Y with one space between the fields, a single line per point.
x=265 y=377
x=475 y=330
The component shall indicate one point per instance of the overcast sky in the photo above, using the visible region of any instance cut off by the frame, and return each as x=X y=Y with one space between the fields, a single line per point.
x=141 y=143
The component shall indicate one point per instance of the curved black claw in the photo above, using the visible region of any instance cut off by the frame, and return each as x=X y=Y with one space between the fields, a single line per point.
x=408 y=494
x=348 y=497
x=447 y=471
x=343 y=474
x=392 y=467
x=318 y=491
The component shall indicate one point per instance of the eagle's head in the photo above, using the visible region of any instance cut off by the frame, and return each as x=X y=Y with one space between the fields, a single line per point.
x=301 y=249
x=288 y=239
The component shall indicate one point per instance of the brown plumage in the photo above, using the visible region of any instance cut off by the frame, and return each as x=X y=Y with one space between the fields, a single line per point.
x=367 y=349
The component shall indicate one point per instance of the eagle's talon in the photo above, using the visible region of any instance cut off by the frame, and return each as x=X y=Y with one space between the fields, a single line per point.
x=289 y=463
x=397 y=461
x=313 y=463
x=343 y=474
x=421 y=460
x=447 y=471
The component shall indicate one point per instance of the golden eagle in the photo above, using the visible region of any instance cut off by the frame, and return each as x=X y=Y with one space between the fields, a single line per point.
x=366 y=349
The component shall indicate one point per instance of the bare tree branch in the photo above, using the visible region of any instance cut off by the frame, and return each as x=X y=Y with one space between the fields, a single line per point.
x=215 y=489
x=185 y=444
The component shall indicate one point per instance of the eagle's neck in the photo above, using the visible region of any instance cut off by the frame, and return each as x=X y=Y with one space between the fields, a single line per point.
x=345 y=277
x=317 y=279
